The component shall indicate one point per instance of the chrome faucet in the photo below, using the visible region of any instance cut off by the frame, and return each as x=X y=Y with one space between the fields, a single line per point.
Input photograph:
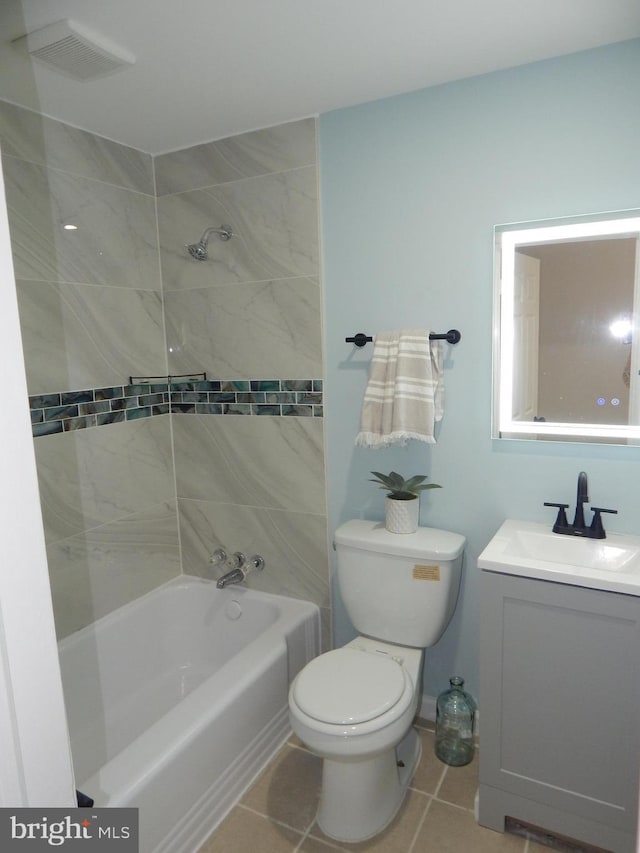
x=234 y=576
x=241 y=568
x=595 y=530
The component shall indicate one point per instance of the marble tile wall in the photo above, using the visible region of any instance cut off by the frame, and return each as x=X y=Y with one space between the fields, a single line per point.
x=94 y=305
x=252 y=310
x=91 y=315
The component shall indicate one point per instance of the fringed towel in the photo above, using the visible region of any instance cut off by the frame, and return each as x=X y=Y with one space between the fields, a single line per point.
x=405 y=395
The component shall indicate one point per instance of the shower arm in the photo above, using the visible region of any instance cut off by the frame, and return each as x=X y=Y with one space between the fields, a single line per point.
x=199 y=250
x=224 y=232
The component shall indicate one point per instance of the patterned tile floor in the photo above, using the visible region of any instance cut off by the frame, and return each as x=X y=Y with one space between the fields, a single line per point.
x=277 y=814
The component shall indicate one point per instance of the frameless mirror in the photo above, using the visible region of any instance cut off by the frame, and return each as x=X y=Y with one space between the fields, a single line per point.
x=566 y=344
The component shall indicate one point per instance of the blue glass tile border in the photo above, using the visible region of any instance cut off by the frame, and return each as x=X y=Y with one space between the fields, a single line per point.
x=65 y=411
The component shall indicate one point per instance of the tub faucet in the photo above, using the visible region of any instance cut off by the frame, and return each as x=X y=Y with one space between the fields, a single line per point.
x=234 y=576
x=241 y=569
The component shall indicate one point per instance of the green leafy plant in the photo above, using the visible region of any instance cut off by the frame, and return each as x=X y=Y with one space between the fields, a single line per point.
x=400 y=489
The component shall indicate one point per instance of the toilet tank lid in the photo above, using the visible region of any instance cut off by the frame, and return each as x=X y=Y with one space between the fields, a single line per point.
x=425 y=542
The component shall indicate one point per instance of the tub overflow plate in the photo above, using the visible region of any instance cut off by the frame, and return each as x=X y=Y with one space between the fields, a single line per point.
x=233 y=609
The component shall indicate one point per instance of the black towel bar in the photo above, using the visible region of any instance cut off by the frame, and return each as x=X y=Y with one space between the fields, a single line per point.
x=452 y=337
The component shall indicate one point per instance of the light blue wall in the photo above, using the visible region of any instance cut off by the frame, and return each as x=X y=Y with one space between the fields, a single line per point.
x=411 y=189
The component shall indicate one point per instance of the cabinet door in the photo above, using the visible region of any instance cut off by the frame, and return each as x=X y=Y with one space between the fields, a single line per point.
x=560 y=696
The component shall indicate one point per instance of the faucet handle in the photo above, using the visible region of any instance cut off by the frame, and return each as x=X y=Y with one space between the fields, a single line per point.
x=254 y=564
x=236 y=560
x=218 y=557
x=596 y=531
x=561 y=520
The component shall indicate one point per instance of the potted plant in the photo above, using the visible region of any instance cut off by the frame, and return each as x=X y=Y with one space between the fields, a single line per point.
x=402 y=504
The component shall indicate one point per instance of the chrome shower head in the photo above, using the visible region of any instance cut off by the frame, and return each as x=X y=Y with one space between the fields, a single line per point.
x=199 y=250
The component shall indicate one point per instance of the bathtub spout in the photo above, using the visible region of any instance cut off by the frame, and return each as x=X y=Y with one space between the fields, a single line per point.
x=234 y=576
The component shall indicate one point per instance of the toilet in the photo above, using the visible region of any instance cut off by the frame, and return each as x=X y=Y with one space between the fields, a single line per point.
x=354 y=706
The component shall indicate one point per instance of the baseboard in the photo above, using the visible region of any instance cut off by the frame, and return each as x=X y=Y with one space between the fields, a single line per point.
x=427 y=708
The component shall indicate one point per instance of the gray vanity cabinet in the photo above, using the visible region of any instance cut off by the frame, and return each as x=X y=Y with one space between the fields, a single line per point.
x=560 y=709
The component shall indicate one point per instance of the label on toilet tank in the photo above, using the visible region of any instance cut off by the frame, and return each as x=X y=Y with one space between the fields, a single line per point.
x=426 y=573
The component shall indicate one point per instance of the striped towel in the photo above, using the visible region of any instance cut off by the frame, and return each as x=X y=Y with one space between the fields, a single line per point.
x=405 y=395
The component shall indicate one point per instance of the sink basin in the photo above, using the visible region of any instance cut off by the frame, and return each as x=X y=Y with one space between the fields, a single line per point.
x=533 y=550
x=555 y=548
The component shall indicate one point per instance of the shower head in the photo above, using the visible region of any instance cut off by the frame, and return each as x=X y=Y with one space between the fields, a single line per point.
x=199 y=250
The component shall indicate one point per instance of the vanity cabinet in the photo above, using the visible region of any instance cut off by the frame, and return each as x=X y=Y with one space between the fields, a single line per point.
x=560 y=709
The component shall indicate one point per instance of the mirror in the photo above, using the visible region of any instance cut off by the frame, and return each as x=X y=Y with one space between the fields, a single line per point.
x=566 y=324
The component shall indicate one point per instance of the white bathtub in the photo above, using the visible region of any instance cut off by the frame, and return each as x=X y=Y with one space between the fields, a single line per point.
x=176 y=701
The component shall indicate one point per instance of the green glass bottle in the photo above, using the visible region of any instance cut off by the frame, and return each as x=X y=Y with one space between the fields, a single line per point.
x=455 y=712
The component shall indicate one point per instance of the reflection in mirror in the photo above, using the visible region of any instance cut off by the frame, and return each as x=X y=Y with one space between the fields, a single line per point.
x=566 y=345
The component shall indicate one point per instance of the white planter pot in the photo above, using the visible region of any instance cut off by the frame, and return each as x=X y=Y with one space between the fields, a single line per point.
x=401 y=516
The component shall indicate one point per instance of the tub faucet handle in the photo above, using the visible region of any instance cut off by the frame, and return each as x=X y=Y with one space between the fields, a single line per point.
x=236 y=560
x=254 y=564
x=218 y=557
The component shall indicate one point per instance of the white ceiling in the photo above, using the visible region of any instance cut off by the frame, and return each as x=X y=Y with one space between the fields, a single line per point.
x=207 y=69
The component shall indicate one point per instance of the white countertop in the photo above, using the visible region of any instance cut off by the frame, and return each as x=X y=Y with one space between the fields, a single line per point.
x=532 y=550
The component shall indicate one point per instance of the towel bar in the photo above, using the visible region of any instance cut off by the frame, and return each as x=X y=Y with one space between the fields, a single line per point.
x=452 y=337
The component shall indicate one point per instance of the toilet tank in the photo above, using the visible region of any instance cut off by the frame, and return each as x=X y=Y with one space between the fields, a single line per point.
x=398 y=587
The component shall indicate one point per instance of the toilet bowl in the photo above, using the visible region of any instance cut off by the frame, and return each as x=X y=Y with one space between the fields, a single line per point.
x=354 y=706
x=357 y=700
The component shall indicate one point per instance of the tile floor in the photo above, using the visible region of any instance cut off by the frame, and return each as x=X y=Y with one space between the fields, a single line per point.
x=277 y=814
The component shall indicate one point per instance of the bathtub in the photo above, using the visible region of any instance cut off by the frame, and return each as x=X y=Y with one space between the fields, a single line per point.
x=177 y=700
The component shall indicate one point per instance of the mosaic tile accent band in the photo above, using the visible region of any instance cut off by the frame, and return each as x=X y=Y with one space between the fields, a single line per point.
x=71 y=410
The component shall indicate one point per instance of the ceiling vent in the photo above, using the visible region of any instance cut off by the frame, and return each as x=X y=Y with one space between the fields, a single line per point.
x=75 y=51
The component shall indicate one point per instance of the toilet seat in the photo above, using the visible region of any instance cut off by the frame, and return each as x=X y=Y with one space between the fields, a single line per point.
x=349 y=686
